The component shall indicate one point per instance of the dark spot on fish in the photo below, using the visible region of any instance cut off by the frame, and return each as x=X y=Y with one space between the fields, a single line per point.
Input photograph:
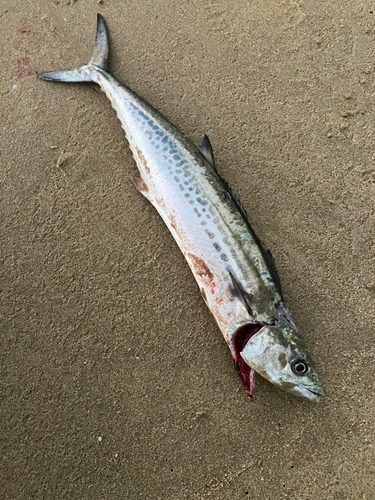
x=187 y=195
x=190 y=188
x=177 y=157
x=173 y=151
x=181 y=187
x=221 y=228
x=203 y=223
x=224 y=257
x=196 y=210
x=165 y=139
x=186 y=183
x=178 y=171
x=210 y=235
x=176 y=178
x=191 y=202
x=217 y=246
x=165 y=148
x=203 y=210
x=208 y=216
x=202 y=202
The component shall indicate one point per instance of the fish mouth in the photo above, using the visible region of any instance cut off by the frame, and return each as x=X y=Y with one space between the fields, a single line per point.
x=314 y=394
x=319 y=395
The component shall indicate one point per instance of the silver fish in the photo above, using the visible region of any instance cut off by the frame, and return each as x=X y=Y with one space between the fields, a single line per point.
x=235 y=273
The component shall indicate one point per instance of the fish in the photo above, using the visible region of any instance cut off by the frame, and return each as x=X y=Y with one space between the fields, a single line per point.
x=236 y=274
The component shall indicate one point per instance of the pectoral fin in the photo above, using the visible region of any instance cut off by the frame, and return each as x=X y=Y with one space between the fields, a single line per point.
x=240 y=293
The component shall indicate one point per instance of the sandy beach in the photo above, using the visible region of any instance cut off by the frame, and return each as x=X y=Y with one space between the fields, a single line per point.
x=116 y=382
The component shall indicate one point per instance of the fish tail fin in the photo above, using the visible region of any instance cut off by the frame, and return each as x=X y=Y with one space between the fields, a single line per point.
x=99 y=59
x=100 y=52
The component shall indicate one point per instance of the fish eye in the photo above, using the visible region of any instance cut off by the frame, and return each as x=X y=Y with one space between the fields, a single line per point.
x=300 y=367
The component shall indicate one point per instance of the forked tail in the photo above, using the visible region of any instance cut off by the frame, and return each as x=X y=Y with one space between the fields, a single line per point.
x=98 y=59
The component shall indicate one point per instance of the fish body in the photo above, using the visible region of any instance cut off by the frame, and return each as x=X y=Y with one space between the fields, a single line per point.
x=235 y=273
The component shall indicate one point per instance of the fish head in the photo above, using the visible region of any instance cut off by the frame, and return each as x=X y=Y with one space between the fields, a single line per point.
x=278 y=353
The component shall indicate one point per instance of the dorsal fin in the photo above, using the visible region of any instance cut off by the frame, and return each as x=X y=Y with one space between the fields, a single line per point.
x=206 y=151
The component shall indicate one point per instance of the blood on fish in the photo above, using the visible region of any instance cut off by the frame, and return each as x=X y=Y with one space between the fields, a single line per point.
x=142 y=159
x=172 y=219
x=219 y=301
x=241 y=338
x=160 y=203
x=200 y=269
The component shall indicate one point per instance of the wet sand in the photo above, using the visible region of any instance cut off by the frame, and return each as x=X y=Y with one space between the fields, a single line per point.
x=116 y=383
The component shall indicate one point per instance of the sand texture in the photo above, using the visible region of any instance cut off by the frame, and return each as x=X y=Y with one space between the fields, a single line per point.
x=116 y=383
